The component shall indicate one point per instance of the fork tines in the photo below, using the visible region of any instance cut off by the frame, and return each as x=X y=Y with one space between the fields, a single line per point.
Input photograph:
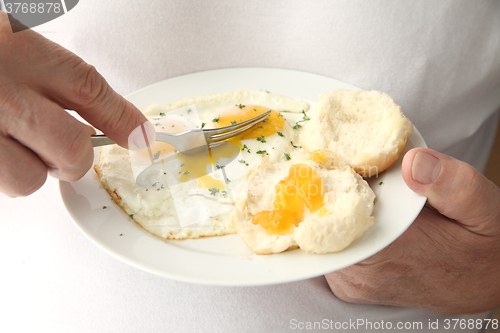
x=224 y=133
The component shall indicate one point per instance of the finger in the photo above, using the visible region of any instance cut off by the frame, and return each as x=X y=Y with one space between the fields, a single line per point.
x=92 y=97
x=22 y=171
x=59 y=140
x=77 y=85
x=348 y=285
x=427 y=233
x=454 y=188
x=73 y=84
x=337 y=282
x=90 y=129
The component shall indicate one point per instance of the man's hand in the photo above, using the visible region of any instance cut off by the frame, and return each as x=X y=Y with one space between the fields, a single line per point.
x=448 y=261
x=38 y=80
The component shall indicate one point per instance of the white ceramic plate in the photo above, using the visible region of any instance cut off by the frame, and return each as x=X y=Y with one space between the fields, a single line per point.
x=227 y=260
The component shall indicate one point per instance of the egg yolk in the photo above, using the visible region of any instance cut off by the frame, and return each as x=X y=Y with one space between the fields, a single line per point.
x=199 y=166
x=317 y=155
x=239 y=113
x=302 y=187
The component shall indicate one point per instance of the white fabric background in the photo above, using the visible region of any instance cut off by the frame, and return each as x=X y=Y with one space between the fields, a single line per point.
x=439 y=60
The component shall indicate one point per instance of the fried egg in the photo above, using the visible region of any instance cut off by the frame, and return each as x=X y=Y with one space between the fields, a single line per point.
x=212 y=180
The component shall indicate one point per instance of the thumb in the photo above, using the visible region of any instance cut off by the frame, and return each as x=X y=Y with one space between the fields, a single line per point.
x=454 y=188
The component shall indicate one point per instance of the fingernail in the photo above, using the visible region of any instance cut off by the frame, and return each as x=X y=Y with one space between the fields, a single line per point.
x=142 y=137
x=425 y=168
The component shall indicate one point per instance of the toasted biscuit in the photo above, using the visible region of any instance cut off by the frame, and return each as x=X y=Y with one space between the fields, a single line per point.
x=346 y=213
x=366 y=128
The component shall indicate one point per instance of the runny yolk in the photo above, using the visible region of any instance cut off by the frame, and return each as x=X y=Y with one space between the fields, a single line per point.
x=238 y=113
x=302 y=187
x=199 y=166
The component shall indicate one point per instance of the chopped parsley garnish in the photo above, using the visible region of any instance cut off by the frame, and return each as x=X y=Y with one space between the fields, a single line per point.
x=381 y=183
x=280 y=115
x=261 y=127
x=131 y=216
x=219 y=166
x=203 y=125
x=294 y=146
x=242 y=161
x=224 y=193
x=280 y=134
x=157 y=124
x=121 y=234
x=287 y=156
x=233 y=122
x=186 y=172
x=213 y=191
x=173 y=125
x=157 y=155
x=155 y=184
x=241 y=106
x=162 y=114
x=227 y=180
x=189 y=110
x=245 y=147
x=262 y=152
x=216 y=120
x=261 y=139
x=304 y=118
x=104 y=207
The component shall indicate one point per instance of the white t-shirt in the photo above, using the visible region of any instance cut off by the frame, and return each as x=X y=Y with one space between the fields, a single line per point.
x=440 y=60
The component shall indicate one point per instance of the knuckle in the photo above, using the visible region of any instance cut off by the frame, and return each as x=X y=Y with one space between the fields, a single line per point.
x=469 y=181
x=76 y=155
x=346 y=287
x=34 y=185
x=90 y=86
x=116 y=120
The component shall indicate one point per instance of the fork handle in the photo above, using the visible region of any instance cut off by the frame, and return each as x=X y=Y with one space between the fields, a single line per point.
x=101 y=140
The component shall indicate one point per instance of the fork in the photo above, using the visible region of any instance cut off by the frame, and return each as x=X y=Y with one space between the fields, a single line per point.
x=195 y=138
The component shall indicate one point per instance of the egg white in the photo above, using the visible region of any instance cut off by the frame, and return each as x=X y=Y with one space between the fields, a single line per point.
x=165 y=207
